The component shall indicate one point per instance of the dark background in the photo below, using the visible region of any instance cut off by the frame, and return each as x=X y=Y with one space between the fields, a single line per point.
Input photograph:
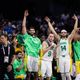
x=13 y=9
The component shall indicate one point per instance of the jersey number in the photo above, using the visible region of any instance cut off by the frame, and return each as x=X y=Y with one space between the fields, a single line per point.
x=63 y=48
x=49 y=53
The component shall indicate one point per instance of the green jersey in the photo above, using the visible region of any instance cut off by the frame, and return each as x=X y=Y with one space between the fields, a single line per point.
x=31 y=44
x=76 y=49
x=16 y=64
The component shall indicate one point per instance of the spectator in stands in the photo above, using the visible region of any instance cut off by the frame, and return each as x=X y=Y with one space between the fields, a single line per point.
x=43 y=38
x=8 y=28
x=14 y=42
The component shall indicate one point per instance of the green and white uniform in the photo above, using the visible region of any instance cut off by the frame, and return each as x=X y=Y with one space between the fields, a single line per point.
x=16 y=64
x=64 y=56
x=32 y=46
x=46 y=65
x=48 y=56
x=76 y=49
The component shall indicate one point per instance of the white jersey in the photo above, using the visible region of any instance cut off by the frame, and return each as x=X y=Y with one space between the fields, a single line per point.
x=64 y=47
x=48 y=56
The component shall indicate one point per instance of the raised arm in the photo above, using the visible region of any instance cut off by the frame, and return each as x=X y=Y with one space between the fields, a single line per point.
x=24 y=30
x=71 y=36
x=76 y=21
x=52 y=28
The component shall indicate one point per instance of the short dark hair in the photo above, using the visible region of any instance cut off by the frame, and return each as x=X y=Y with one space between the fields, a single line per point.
x=4 y=34
x=31 y=28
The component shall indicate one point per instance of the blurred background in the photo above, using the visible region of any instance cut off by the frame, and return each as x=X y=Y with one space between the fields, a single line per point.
x=13 y=9
x=59 y=11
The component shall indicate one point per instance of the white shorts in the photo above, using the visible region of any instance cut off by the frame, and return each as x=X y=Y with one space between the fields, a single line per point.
x=32 y=64
x=46 y=68
x=78 y=77
x=64 y=64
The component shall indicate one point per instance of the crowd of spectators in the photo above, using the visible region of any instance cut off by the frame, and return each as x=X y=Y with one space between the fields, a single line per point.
x=13 y=27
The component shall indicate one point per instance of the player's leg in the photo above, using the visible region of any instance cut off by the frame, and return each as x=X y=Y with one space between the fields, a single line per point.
x=62 y=67
x=29 y=67
x=67 y=68
x=49 y=70
x=35 y=67
x=43 y=69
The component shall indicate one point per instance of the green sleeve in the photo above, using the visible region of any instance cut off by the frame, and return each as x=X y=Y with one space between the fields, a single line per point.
x=15 y=65
x=21 y=38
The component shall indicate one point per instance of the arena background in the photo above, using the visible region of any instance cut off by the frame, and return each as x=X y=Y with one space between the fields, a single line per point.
x=13 y=9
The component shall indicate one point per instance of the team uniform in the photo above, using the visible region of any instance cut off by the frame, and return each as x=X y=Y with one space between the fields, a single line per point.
x=32 y=46
x=64 y=56
x=76 y=49
x=19 y=74
x=46 y=64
